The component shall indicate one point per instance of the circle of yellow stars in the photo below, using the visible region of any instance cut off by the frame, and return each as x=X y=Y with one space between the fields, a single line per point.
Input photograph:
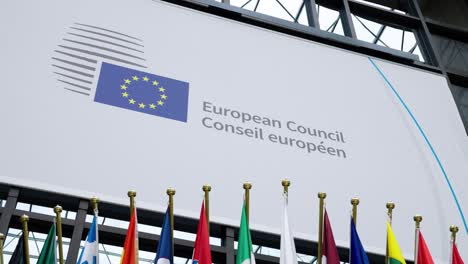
x=142 y=105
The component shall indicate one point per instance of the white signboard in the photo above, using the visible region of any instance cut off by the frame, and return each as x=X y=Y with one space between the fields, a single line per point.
x=99 y=97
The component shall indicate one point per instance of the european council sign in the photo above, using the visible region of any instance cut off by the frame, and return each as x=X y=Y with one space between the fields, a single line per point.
x=152 y=95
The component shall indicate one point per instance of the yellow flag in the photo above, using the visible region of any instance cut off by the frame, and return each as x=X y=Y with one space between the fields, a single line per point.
x=394 y=252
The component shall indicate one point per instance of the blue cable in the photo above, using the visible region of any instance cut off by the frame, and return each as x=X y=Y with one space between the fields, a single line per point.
x=427 y=141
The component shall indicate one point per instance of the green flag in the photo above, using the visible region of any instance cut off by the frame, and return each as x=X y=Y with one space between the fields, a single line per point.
x=244 y=247
x=18 y=256
x=47 y=255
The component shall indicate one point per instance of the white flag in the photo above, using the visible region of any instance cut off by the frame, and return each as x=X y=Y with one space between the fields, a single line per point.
x=90 y=252
x=288 y=249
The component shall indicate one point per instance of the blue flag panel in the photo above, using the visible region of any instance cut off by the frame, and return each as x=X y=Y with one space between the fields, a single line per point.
x=142 y=92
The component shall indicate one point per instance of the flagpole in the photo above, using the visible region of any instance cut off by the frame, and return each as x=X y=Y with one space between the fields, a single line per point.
x=286 y=183
x=94 y=204
x=321 y=196
x=132 y=195
x=58 y=217
x=417 y=221
x=24 y=221
x=355 y=202
x=453 y=237
x=171 y=192
x=390 y=207
x=454 y=230
x=2 y=237
x=207 y=188
x=247 y=187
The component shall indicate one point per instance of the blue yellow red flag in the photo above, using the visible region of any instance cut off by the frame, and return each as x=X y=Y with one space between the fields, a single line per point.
x=164 y=255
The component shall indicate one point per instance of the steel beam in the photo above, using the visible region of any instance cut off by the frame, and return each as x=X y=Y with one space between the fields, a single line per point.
x=228 y=244
x=385 y=17
x=7 y=212
x=346 y=20
x=75 y=242
x=312 y=15
x=424 y=37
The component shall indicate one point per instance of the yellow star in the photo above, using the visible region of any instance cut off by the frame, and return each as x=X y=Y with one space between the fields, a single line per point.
x=161 y=89
x=131 y=101
x=125 y=94
x=127 y=81
x=141 y=105
x=123 y=87
x=163 y=96
x=160 y=102
x=152 y=106
x=145 y=79
x=155 y=83
x=135 y=78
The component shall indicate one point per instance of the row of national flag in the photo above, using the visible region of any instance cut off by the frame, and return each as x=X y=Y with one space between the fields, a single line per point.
x=357 y=254
x=245 y=254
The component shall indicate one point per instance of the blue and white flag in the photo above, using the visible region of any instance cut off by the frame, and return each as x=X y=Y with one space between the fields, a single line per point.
x=164 y=254
x=90 y=252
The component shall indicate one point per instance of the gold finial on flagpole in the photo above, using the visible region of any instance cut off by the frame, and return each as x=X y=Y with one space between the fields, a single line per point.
x=417 y=224
x=58 y=217
x=171 y=192
x=207 y=188
x=321 y=196
x=94 y=203
x=247 y=186
x=132 y=194
x=390 y=207
x=24 y=221
x=355 y=202
x=417 y=220
x=454 y=230
x=286 y=183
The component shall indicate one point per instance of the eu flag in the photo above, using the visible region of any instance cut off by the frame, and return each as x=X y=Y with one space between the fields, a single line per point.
x=143 y=92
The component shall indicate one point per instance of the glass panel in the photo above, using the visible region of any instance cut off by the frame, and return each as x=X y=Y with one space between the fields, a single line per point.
x=452 y=12
x=453 y=54
x=45 y=210
x=380 y=6
x=460 y=94
x=387 y=36
x=329 y=20
x=284 y=9
x=365 y=29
